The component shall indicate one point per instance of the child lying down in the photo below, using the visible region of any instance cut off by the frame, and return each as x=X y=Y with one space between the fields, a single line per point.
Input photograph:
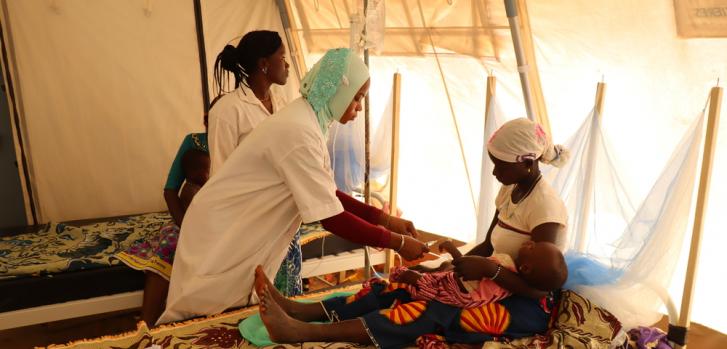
x=425 y=308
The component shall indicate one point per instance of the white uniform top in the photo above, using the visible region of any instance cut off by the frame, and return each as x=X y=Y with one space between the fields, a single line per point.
x=517 y=221
x=247 y=214
x=231 y=120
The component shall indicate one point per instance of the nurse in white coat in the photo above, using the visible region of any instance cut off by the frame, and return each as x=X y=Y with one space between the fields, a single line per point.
x=258 y=64
x=280 y=176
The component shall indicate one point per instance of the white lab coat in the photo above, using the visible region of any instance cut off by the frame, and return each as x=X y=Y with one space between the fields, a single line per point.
x=247 y=214
x=232 y=118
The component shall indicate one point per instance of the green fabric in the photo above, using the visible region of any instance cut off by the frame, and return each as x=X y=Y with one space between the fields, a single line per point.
x=175 y=179
x=254 y=330
x=329 y=87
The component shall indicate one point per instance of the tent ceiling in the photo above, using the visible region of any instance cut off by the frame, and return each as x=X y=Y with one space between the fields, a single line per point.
x=467 y=27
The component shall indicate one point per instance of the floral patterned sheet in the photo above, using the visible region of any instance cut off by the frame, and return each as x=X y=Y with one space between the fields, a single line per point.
x=578 y=324
x=312 y=231
x=60 y=247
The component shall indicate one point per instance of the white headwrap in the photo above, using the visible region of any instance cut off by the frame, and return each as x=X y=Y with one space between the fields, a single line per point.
x=521 y=139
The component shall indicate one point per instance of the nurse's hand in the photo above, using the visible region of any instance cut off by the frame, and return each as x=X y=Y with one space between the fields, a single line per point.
x=411 y=249
x=398 y=225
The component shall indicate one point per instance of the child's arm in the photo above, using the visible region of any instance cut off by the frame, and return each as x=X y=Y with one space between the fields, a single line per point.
x=189 y=190
x=446 y=265
x=175 y=179
x=476 y=268
x=175 y=206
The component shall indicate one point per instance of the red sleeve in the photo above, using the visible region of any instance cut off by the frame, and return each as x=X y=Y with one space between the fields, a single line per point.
x=366 y=212
x=355 y=229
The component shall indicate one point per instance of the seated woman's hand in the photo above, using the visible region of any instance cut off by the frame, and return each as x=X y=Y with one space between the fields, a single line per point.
x=473 y=267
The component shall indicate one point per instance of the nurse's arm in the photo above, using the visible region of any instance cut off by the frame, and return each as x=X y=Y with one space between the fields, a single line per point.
x=366 y=212
x=355 y=229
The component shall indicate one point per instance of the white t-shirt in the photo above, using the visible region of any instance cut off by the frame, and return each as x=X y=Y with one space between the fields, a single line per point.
x=517 y=221
x=232 y=118
x=247 y=214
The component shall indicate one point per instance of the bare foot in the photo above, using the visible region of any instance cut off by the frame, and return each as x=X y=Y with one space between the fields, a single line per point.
x=298 y=311
x=260 y=281
x=281 y=327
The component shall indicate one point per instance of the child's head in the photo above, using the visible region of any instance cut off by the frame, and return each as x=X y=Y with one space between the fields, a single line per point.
x=196 y=166
x=542 y=265
x=517 y=147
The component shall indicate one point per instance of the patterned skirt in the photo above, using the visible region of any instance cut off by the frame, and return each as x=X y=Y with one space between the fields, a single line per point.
x=156 y=254
x=288 y=280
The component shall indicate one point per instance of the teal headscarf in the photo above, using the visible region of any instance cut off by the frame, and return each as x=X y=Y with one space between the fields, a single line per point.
x=332 y=83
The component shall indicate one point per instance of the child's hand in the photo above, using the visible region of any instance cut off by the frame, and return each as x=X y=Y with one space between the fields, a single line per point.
x=445 y=266
x=448 y=246
x=409 y=277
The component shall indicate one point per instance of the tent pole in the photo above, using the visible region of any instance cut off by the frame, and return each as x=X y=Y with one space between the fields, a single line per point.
x=522 y=63
x=201 y=50
x=286 y=14
x=367 y=148
x=590 y=174
x=536 y=89
x=14 y=103
x=482 y=225
x=678 y=333
x=489 y=96
x=393 y=180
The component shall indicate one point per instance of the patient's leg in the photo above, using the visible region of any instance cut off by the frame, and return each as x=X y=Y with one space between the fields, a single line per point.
x=155 y=295
x=300 y=311
x=284 y=329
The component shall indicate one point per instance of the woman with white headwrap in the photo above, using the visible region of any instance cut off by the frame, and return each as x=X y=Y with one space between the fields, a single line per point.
x=278 y=177
x=527 y=207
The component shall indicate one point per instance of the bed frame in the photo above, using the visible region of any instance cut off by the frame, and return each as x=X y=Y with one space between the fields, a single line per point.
x=311 y=267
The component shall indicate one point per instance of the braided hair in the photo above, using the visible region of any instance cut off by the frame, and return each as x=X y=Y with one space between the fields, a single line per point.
x=241 y=61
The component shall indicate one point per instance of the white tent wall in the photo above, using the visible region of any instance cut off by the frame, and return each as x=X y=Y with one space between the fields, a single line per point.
x=657 y=84
x=108 y=91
